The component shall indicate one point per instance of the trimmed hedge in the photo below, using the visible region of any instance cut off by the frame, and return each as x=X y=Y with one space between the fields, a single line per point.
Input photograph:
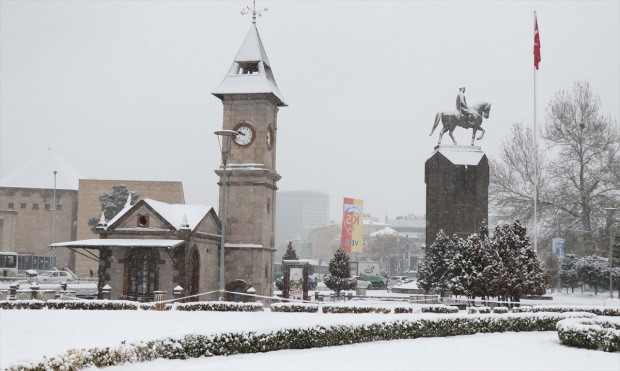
x=598 y=310
x=294 y=308
x=220 y=306
x=354 y=309
x=590 y=333
x=130 y=305
x=192 y=346
x=439 y=308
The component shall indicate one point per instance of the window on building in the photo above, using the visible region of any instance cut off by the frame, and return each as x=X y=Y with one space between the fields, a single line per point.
x=11 y=205
x=22 y=205
x=35 y=206
x=143 y=220
x=47 y=206
x=59 y=207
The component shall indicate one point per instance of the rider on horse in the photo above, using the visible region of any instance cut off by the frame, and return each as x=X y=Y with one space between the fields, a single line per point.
x=461 y=106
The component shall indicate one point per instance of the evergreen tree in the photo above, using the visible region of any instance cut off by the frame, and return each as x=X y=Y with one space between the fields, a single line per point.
x=112 y=204
x=434 y=272
x=339 y=277
x=290 y=253
x=568 y=272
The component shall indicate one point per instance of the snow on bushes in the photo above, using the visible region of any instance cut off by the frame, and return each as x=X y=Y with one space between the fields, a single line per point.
x=192 y=346
x=221 y=306
x=294 y=308
x=439 y=308
x=590 y=333
x=600 y=310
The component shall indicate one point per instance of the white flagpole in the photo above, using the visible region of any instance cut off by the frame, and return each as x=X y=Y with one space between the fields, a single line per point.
x=534 y=138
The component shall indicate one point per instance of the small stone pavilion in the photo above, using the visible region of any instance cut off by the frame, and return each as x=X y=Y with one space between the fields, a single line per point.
x=155 y=246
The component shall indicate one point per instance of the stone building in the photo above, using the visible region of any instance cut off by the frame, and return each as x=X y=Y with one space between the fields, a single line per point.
x=89 y=206
x=156 y=246
x=29 y=221
x=34 y=213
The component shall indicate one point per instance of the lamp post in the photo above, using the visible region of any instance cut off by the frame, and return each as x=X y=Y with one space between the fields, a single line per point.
x=52 y=211
x=224 y=138
x=610 y=215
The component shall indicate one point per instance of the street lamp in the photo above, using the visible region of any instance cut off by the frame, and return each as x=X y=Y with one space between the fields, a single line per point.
x=610 y=215
x=224 y=137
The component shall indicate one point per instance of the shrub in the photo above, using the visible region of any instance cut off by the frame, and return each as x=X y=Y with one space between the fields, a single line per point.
x=220 y=306
x=294 y=308
x=590 y=333
x=354 y=309
x=439 y=308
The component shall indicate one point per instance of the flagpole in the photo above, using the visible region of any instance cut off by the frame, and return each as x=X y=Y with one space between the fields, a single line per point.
x=534 y=137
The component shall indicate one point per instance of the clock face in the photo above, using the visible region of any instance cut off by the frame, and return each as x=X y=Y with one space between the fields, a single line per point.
x=245 y=134
x=270 y=137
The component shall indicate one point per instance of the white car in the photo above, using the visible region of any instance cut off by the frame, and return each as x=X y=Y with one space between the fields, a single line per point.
x=362 y=283
x=56 y=276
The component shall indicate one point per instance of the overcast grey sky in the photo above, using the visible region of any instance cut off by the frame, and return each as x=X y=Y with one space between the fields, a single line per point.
x=122 y=89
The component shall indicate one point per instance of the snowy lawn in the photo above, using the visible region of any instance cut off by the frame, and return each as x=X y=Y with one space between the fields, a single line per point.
x=28 y=335
x=507 y=351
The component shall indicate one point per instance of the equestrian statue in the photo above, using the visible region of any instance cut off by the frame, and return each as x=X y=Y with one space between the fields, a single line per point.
x=468 y=117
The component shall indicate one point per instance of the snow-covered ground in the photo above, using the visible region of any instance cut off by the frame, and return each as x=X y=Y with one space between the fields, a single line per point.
x=28 y=335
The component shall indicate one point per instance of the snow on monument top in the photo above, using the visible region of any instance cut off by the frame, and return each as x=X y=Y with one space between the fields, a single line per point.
x=461 y=155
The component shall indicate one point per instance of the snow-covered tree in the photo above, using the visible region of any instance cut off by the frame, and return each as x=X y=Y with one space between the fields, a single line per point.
x=434 y=272
x=290 y=253
x=339 y=277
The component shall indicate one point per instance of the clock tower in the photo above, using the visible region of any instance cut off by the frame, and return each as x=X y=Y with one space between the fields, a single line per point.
x=251 y=99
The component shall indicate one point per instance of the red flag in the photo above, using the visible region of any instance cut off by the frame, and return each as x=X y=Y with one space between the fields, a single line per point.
x=537 y=58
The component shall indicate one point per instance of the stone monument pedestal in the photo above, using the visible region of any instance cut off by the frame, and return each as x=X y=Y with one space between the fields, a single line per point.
x=457 y=191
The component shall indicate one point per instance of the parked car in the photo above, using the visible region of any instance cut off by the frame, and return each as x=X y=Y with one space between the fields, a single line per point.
x=362 y=283
x=56 y=276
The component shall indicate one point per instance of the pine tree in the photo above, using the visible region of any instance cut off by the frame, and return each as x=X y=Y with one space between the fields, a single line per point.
x=434 y=272
x=112 y=204
x=290 y=253
x=339 y=277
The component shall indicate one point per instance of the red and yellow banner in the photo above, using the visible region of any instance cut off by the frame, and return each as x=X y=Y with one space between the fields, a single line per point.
x=352 y=236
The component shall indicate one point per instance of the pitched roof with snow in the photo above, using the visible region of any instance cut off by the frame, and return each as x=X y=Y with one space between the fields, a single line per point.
x=243 y=80
x=39 y=173
x=387 y=231
x=178 y=215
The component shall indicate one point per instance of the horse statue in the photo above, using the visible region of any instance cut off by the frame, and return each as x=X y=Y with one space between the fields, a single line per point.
x=452 y=119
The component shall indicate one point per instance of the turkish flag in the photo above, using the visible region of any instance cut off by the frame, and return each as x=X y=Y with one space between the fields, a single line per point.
x=537 y=58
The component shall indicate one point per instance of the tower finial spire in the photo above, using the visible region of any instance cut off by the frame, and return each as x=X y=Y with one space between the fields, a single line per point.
x=248 y=10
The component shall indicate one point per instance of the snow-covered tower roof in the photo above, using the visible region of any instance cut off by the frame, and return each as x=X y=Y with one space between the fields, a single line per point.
x=250 y=71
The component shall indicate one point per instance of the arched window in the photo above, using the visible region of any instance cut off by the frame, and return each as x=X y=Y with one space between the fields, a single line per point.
x=141 y=276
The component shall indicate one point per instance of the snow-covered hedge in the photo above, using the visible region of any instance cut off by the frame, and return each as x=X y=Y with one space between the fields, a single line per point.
x=398 y=310
x=354 y=309
x=590 y=333
x=439 y=308
x=70 y=304
x=595 y=309
x=479 y=310
x=500 y=310
x=221 y=306
x=192 y=346
x=294 y=308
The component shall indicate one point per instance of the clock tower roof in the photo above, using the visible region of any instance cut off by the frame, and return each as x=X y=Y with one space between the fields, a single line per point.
x=250 y=72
